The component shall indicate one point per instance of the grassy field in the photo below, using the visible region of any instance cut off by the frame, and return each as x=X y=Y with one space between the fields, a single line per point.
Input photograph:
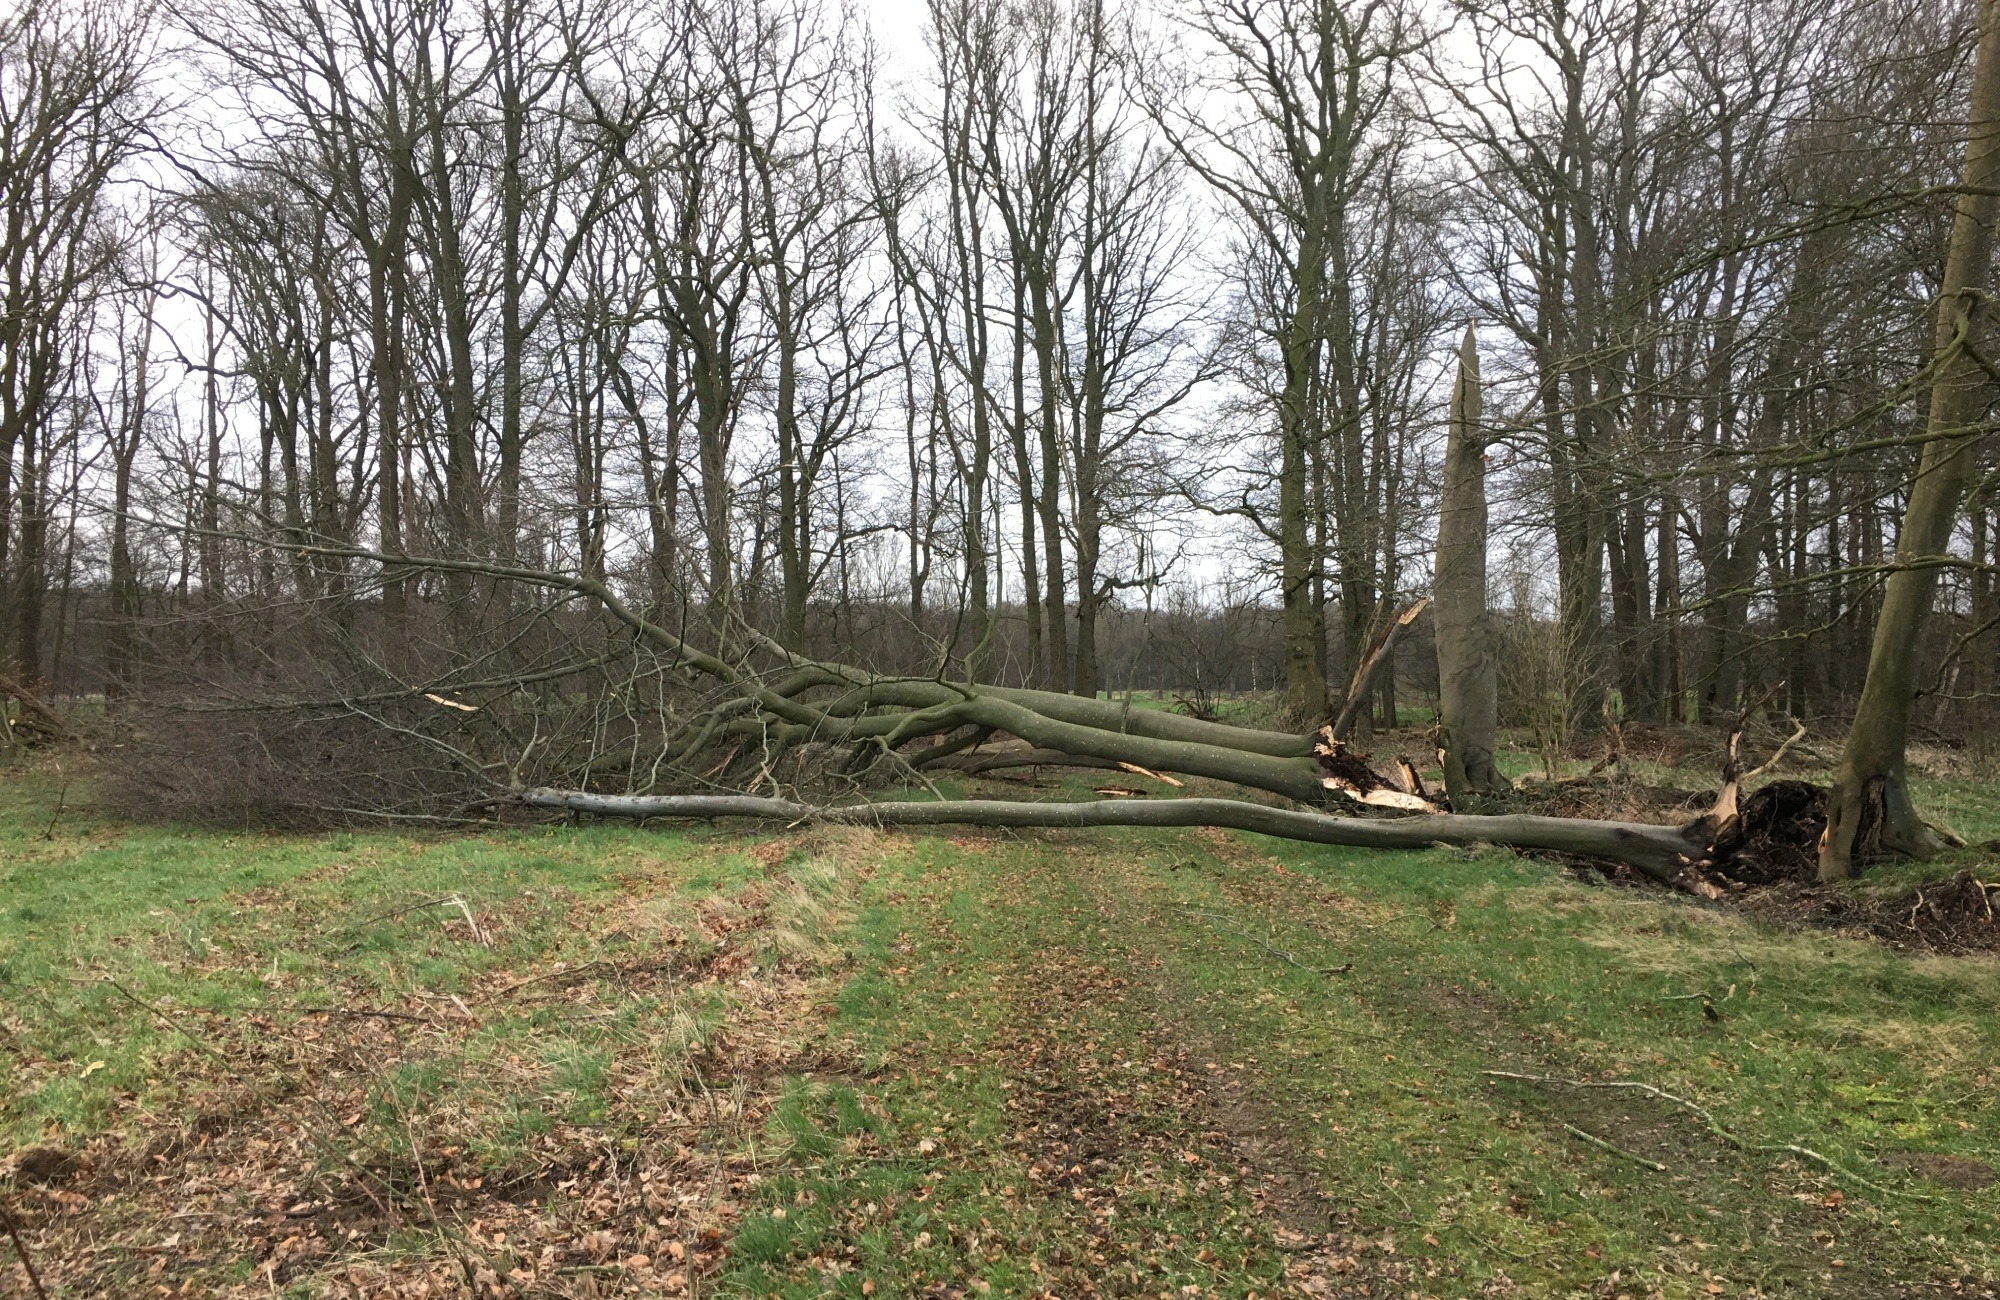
x=594 y=1061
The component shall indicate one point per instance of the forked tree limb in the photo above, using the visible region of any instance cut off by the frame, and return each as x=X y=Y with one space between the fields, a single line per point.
x=951 y=747
x=1662 y=852
x=1798 y=734
x=998 y=760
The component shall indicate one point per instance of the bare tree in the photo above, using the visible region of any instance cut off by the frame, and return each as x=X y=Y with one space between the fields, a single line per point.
x=1468 y=692
x=1315 y=79
x=71 y=114
x=1870 y=805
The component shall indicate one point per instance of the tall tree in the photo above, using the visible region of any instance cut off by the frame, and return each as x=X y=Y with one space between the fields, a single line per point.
x=1315 y=79
x=1870 y=805
x=1468 y=687
x=71 y=79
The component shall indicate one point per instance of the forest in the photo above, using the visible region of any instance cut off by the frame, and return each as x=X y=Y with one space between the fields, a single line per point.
x=572 y=572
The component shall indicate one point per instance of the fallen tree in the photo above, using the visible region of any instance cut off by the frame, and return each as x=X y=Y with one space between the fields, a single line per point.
x=789 y=699
x=33 y=722
x=1662 y=852
x=721 y=748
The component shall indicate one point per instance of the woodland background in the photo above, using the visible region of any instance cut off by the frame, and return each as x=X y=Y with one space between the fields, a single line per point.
x=1070 y=346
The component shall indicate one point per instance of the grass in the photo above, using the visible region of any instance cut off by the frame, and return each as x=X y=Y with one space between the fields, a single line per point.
x=1122 y=1086
x=239 y=1026
x=231 y=924
x=1068 y=1064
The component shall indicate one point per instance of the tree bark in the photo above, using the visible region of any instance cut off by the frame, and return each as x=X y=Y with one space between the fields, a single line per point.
x=1661 y=852
x=1871 y=790
x=1468 y=690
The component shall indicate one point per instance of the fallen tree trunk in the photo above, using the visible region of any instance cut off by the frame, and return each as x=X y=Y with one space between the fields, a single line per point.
x=770 y=705
x=979 y=762
x=1662 y=852
x=37 y=722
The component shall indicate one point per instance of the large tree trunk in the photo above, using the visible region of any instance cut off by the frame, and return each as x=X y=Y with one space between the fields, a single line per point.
x=1662 y=852
x=1468 y=691
x=1870 y=805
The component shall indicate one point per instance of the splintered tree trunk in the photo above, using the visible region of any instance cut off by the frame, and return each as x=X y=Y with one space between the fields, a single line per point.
x=1870 y=806
x=1468 y=694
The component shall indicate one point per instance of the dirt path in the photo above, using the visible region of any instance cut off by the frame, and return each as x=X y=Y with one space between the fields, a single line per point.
x=1131 y=1152
x=1211 y=1074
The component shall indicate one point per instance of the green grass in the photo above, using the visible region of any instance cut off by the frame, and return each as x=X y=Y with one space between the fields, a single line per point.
x=1239 y=708
x=232 y=925
x=1060 y=1064
x=1059 y=970
x=333 y=1019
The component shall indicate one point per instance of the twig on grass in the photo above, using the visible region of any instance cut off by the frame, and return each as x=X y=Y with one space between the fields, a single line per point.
x=458 y=900
x=325 y=1144
x=1707 y=1002
x=1279 y=953
x=548 y=975
x=1508 y=1251
x=62 y=803
x=390 y=916
x=363 y=1013
x=1714 y=1125
x=1597 y=1141
x=453 y=1241
x=21 y=1249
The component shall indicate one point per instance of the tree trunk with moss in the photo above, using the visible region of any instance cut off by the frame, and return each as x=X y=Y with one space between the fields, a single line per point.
x=1468 y=691
x=1870 y=809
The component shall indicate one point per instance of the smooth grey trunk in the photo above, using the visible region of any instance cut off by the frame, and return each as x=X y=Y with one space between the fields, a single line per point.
x=1662 y=852
x=1468 y=690
x=1871 y=775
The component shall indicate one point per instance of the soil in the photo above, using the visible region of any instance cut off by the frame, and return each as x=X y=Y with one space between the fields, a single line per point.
x=1953 y=915
x=1767 y=864
x=1962 y=1172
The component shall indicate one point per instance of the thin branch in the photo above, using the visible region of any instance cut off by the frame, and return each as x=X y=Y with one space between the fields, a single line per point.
x=1713 y=1125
